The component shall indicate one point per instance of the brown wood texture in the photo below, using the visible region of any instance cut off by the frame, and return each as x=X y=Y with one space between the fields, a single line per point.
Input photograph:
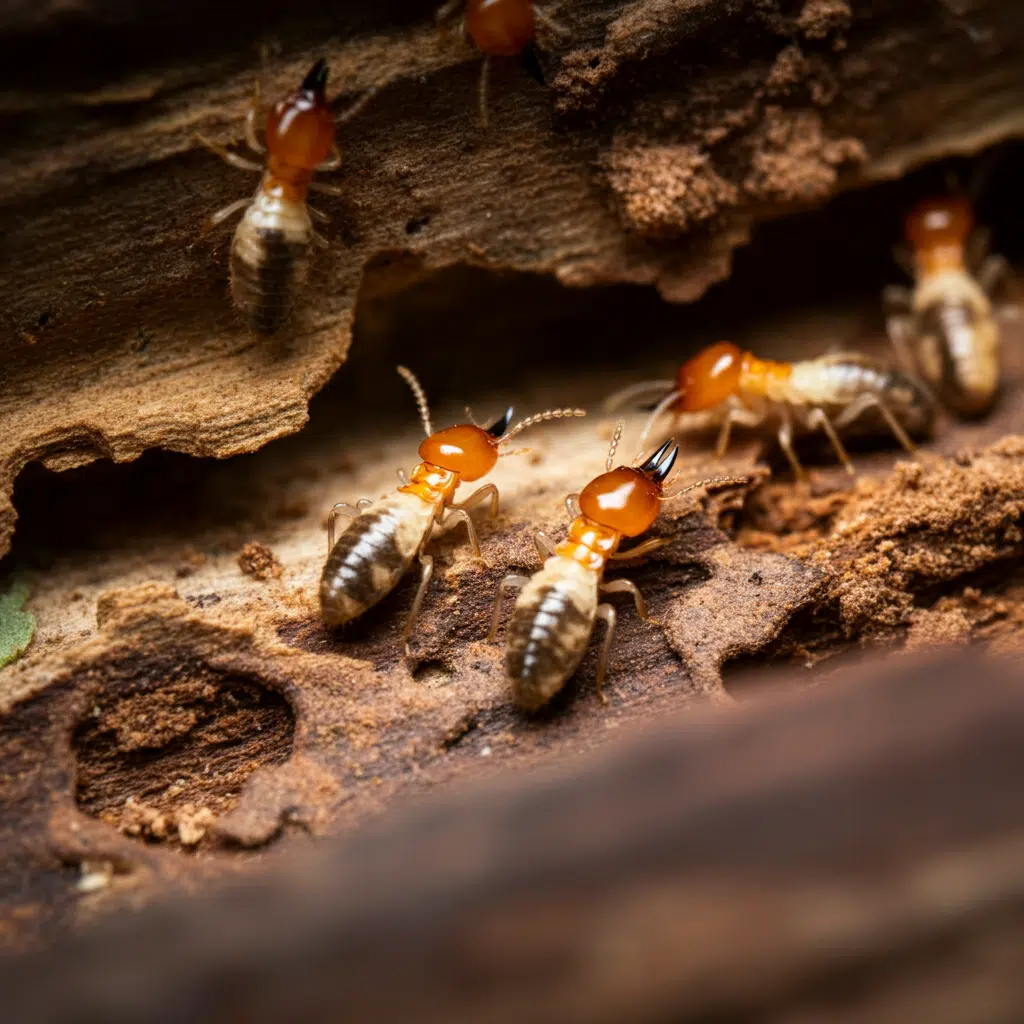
x=668 y=129
x=856 y=854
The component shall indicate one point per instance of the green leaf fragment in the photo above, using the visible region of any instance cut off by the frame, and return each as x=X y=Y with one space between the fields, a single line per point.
x=16 y=625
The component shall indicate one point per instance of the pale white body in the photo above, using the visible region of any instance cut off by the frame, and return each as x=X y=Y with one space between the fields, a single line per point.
x=270 y=257
x=957 y=350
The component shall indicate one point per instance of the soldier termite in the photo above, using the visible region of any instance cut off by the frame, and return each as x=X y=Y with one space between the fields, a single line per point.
x=723 y=385
x=557 y=608
x=944 y=328
x=502 y=28
x=272 y=245
x=384 y=537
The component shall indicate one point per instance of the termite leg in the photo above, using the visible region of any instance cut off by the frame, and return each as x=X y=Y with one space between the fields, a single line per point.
x=735 y=414
x=342 y=508
x=479 y=496
x=546 y=22
x=251 y=138
x=572 y=505
x=512 y=580
x=817 y=418
x=485 y=85
x=325 y=190
x=606 y=612
x=222 y=214
x=319 y=241
x=544 y=544
x=864 y=402
x=452 y=519
x=897 y=299
x=403 y=477
x=991 y=272
x=332 y=163
x=627 y=587
x=901 y=334
x=228 y=157
x=447 y=11
x=785 y=436
x=318 y=215
x=722 y=444
x=641 y=549
x=978 y=247
x=426 y=572
x=346 y=115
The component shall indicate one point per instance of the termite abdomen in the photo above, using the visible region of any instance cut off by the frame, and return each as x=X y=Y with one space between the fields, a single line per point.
x=268 y=271
x=371 y=556
x=549 y=632
x=959 y=355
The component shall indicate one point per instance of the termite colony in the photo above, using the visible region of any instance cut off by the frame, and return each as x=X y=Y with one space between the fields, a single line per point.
x=944 y=332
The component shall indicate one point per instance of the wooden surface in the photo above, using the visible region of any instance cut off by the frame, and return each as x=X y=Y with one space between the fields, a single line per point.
x=667 y=130
x=856 y=855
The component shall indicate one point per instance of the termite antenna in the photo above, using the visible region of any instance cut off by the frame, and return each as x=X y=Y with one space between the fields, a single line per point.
x=670 y=399
x=515 y=451
x=540 y=417
x=712 y=481
x=616 y=437
x=356 y=107
x=485 y=80
x=471 y=417
x=647 y=389
x=421 y=397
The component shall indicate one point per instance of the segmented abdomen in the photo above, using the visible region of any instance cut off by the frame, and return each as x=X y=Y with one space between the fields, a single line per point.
x=960 y=355
x=270 y=260
x=372 y=555
x=835 y=383
x=550 y=628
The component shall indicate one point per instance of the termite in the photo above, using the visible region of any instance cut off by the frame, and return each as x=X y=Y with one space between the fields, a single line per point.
x=384 y=537
x=272 y=245
x=502 y=28
x=723 y=385
x=944 y=327
x=558 y=607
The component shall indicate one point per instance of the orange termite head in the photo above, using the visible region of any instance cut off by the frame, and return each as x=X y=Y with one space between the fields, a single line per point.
x=628 y=499
x=710 y=377
x=300 y=127
x=466 y=449
x=944 y=223
x=501 y=28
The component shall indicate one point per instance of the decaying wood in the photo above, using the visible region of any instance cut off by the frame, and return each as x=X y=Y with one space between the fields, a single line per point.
x=668 y=129
x=855 y=854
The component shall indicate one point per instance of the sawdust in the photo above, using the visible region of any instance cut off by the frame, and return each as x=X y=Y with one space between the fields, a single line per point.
x=820 y=18
x=667 y=190
x=925 y=526
x=259 y=562
x=794 y=160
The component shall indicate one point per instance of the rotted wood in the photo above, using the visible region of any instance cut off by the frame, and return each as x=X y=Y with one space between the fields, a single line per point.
x=856 y=854
x=668 y=129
